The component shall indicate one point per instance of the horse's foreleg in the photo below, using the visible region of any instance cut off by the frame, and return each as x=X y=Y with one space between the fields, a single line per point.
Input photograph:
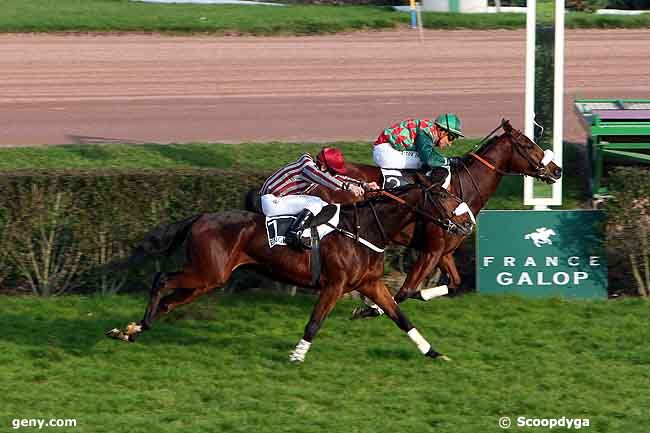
x=423 y=266
x=380 y=294
x=448 y=265
x=326 y=301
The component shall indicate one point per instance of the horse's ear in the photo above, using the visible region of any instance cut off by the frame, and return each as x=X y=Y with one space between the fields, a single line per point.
x=505 y=124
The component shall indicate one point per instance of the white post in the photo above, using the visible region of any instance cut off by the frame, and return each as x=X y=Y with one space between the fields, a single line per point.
x=531 y=21
x=530 y=67
x=558 y=100
x=558 y=97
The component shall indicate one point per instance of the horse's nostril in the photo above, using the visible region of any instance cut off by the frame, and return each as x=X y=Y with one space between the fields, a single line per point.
x=558 y=172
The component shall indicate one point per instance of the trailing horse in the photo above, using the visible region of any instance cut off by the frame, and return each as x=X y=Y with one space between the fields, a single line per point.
x=216 y=244
x=475 y=180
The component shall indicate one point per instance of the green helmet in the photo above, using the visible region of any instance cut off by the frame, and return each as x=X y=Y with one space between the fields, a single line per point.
x=450 y=122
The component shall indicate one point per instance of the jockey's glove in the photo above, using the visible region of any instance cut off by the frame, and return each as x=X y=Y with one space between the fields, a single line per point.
x=455 y=161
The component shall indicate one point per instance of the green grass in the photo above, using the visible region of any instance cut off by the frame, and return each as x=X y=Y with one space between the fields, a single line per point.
x=249 y=156
x=220 y=365
x=127 y=16
x=124 y=15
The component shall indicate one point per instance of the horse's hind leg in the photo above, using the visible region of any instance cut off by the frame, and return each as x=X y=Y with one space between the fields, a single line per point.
x=186 y=286
x=155 y=294
x=380 y=294
x=322 y=309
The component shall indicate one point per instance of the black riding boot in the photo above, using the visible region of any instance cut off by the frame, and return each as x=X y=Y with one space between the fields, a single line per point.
x=293 y=236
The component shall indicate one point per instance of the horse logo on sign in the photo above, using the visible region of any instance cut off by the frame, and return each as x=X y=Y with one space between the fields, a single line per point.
x=541 y=236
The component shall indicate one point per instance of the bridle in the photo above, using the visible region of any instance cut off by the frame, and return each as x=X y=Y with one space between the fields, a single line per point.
x=540 y=168
x=449 y=225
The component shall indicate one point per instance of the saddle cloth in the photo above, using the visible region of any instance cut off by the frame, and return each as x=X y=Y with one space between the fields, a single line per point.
x=277 y=226
x=395 y=178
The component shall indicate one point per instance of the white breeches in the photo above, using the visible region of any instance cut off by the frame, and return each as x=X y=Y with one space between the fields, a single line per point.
x=290 y=204
x=387 y=157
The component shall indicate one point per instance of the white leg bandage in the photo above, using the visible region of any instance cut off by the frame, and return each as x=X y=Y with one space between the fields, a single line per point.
x=298 y=354
x=423 y=345
x=434 y=292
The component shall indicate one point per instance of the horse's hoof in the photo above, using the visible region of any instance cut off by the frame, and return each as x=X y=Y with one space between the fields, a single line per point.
x=364 y=313
x=296 y=359
x=133 y=329
x=356 y=313
x=117 y=334
x=436 y=355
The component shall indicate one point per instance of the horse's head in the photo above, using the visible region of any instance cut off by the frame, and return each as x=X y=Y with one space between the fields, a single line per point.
x=528 y=158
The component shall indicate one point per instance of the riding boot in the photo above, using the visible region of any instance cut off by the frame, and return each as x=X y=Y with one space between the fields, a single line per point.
x=293 y=236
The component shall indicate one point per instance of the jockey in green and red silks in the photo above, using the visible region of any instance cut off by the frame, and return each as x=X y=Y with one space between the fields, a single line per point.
x=413 y=143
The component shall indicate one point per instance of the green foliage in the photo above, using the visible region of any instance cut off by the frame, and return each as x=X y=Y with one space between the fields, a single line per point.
x=300 y=19
x=125 y=15
x=62 y=228
x=220 y=365
x=629 y=222
x=163 y=157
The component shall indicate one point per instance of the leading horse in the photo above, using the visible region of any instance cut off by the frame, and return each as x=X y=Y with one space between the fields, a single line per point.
x=216 y=244
x=474 y=180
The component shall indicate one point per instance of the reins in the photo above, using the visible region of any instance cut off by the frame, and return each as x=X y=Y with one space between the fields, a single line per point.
x=491 y=166
x=415 y=209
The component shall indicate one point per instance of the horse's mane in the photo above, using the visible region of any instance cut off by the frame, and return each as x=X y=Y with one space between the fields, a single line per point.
x=467 y=158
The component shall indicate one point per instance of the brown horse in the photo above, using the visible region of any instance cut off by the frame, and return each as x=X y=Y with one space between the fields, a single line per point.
x=474 y=181
x=217 y=244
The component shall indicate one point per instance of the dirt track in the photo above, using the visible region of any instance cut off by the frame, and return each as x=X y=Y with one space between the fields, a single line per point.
x=62 y=89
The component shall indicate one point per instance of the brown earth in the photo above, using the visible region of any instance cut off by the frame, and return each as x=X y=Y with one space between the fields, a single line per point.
x=151 y=88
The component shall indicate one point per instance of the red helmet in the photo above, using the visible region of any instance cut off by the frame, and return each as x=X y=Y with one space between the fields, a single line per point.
x=332 y=158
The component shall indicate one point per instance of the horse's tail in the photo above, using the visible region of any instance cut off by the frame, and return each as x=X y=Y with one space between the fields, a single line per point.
x=252 y=201
x=160 y=242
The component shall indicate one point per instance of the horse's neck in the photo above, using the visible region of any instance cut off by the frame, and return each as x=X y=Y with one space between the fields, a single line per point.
x=487 y=179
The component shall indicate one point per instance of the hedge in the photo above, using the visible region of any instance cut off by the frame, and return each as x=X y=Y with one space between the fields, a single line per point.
x=58 y=229
x=628 y=232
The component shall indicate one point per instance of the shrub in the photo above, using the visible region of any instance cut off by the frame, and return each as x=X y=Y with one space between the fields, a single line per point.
x=60 y=229
x=629 y=223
